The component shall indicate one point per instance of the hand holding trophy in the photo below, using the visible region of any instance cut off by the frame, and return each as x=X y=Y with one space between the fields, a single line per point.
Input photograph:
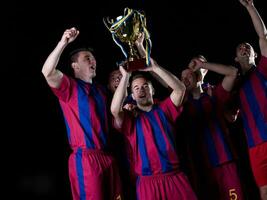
x=125 y=31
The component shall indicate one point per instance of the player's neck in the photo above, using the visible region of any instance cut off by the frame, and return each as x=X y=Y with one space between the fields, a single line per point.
x=246 y=68
x=145 y=108
x=84 y=77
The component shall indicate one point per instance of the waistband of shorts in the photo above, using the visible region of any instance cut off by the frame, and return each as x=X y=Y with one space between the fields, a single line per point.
x=160 y=175
x=90 y=151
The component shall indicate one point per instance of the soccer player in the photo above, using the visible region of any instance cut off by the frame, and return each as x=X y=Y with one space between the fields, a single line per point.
x=208 y=136
x=252 y=93
x=151 y=135
x=92 y=170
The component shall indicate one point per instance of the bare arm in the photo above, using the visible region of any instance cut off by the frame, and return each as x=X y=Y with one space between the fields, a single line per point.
x=178 y=88
x=51 y=74
x=258 y=25
x=118 y=98
x=140 y=47
x=229 y=72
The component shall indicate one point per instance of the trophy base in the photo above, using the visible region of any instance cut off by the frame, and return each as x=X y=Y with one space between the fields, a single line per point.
x=136 y=64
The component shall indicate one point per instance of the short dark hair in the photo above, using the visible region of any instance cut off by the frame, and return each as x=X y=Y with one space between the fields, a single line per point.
x=139 y=75
x=73 y=54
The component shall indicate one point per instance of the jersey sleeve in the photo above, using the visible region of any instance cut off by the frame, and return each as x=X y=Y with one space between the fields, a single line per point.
x=64 y=90
x=127 y=127
x=170 y=109
x=262 y=66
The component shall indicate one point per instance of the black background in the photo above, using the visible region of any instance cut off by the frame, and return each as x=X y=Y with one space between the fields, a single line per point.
x=179 y=30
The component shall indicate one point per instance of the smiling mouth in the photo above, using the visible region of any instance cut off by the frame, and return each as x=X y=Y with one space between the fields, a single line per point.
x=142 y=96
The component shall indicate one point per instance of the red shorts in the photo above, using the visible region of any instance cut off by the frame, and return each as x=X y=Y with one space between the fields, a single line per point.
x=94 y=175
x=258 y=162
x=169 y=186
x=228 y=181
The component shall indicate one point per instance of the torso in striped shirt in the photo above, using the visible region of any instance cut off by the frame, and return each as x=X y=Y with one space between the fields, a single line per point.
x=85 y=113
x=253 y=103
x=152 y=140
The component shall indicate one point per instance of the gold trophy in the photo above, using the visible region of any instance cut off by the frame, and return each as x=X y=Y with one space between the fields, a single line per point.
x=125 y=30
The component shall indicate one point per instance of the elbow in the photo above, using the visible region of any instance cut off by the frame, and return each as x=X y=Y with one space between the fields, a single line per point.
x=45 y=72
x=234 y=72
x=183 y=90
x=48 y=70
x=180 y=89
x=114 y=111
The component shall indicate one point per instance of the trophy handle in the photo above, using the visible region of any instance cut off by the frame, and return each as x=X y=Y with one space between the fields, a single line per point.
x=121 y=47
x=107 y=21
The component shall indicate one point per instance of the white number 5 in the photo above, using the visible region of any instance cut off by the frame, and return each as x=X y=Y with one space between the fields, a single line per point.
x=232 y=194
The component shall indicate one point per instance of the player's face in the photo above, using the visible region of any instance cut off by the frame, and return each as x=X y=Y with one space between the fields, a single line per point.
x=189 y=79
x=142 y=91
x=114 y=80
x=87 y=64
x=244 y=52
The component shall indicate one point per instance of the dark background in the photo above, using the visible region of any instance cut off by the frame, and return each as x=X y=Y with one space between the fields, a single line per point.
x=179 y=30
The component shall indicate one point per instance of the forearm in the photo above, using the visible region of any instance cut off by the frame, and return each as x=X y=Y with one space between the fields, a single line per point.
x=229 y=73
x=168 y=78
x=49 y=67
x=158 y=79
x=225 y=70
x=141 y=50
x=172 y=82
x=257 y=22
x=119 y=96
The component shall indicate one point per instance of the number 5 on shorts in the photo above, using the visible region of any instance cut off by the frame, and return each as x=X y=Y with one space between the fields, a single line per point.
x=232 y=194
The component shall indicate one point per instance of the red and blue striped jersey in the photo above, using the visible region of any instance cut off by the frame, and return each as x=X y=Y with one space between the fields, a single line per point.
x=85 y=113
x=207 y=127
x=253 y=103
x=151 y=137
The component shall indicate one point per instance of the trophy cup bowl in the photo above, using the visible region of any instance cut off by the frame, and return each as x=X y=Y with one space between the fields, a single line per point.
x=125 y=31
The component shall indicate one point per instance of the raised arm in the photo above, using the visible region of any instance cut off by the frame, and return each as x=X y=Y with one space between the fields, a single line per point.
x=139 y=43
x=177 y=86
x=229 y=72
x=258 y=25
x=52 y=75
x=118 y=98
